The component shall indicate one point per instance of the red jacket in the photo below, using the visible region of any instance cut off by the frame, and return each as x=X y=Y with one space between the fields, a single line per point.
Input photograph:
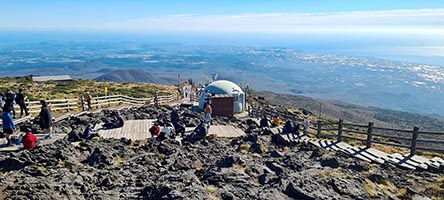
x=29 y=141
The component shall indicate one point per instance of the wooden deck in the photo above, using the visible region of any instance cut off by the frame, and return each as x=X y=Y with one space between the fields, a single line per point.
x=372 y=155
x=40 y=137
x=132 y=129
x=225 y=131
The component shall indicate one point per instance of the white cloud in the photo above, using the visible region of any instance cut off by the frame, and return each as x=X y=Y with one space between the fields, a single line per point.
x=423 y=20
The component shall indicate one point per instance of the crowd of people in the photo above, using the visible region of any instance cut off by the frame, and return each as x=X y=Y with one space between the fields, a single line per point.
x=163 y=128
x=289 y=126
x=9 y=99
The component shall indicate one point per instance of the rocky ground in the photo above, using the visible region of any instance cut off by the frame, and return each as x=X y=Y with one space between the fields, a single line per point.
x=256 y=166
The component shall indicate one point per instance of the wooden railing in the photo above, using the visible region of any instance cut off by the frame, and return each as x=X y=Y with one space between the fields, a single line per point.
x=68 y=105
x=413 y=139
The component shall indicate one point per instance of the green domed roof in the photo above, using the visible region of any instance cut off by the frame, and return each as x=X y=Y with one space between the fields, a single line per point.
x=223 y=87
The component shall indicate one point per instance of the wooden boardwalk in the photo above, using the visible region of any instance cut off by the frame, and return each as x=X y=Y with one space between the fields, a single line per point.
x=132 y=129
x=225 y=131
x=40 y=137
x=371 y=154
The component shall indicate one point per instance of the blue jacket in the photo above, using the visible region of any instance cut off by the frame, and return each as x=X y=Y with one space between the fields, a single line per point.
x=7 y=121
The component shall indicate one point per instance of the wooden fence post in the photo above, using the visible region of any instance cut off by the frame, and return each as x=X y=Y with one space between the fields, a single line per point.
x=318 y=134
x=82 y=103
x=67 y=102
x=369 y=135
x=413 y=143
x=340 y=127
x=97 y=102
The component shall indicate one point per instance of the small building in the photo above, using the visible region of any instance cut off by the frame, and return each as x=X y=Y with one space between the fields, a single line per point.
x=223 y=93
x=62 y=78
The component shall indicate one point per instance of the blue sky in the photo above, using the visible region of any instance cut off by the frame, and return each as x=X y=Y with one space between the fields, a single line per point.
x=227 y=15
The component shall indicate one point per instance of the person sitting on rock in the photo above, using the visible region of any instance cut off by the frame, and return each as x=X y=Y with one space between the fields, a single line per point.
x=264 y=122
x=288 y=127
x=116 y=122
x=29 y=140
x=179 y=128
x=174 y=118
x=155 y=130
x=277 y=121
x=201 y=130
x=166 y=132
x=296 y=128
x=162 y=119
x=89 y=133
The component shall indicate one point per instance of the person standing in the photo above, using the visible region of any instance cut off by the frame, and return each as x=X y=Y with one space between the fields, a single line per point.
x=88 y=99
x=20 y=100
x=8 y=124
x=208 y=111
x=9 y=101
x=46 y=119
x=156 y=100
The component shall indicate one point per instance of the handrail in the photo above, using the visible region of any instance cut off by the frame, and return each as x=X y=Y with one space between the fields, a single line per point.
x=373 y=133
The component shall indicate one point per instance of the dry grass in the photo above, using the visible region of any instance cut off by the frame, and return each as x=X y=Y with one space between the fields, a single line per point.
x=244 y=148
x=198 y=165
x=77 y=87
x=211 y=189
x=334 y=173
x=119 y=159
x=239 y=167
x=370 y=187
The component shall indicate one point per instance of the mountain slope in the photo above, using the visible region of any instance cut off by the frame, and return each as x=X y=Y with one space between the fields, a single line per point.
x=134 y=75
x=354 y=113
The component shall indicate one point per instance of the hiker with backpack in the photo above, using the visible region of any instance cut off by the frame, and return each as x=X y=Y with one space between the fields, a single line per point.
x=20 y=100
x=88 y=99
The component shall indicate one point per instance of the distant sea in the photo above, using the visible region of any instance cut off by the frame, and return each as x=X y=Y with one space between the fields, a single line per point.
x=423 y=48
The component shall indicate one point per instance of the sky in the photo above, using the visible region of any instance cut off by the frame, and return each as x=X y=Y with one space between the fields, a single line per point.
x=247 y=16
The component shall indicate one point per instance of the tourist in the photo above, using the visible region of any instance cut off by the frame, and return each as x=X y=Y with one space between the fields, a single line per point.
x=8 y=124
x=156 y=100
x=20 y=100
x=90 y=133
x=46 y=119
x=162 y=119
x=154 y=130
x=88 y=99
x=288 y=127
x=208 y=111
x=29 y=140
x=166 y=132
x=174 y=116
x=116 y=122
x=276 y=121
x=201 y=130
x=9 y=101
x=264 y=122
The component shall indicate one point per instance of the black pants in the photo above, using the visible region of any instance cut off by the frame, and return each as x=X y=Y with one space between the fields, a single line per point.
x=23 y=108
x=89 y=105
